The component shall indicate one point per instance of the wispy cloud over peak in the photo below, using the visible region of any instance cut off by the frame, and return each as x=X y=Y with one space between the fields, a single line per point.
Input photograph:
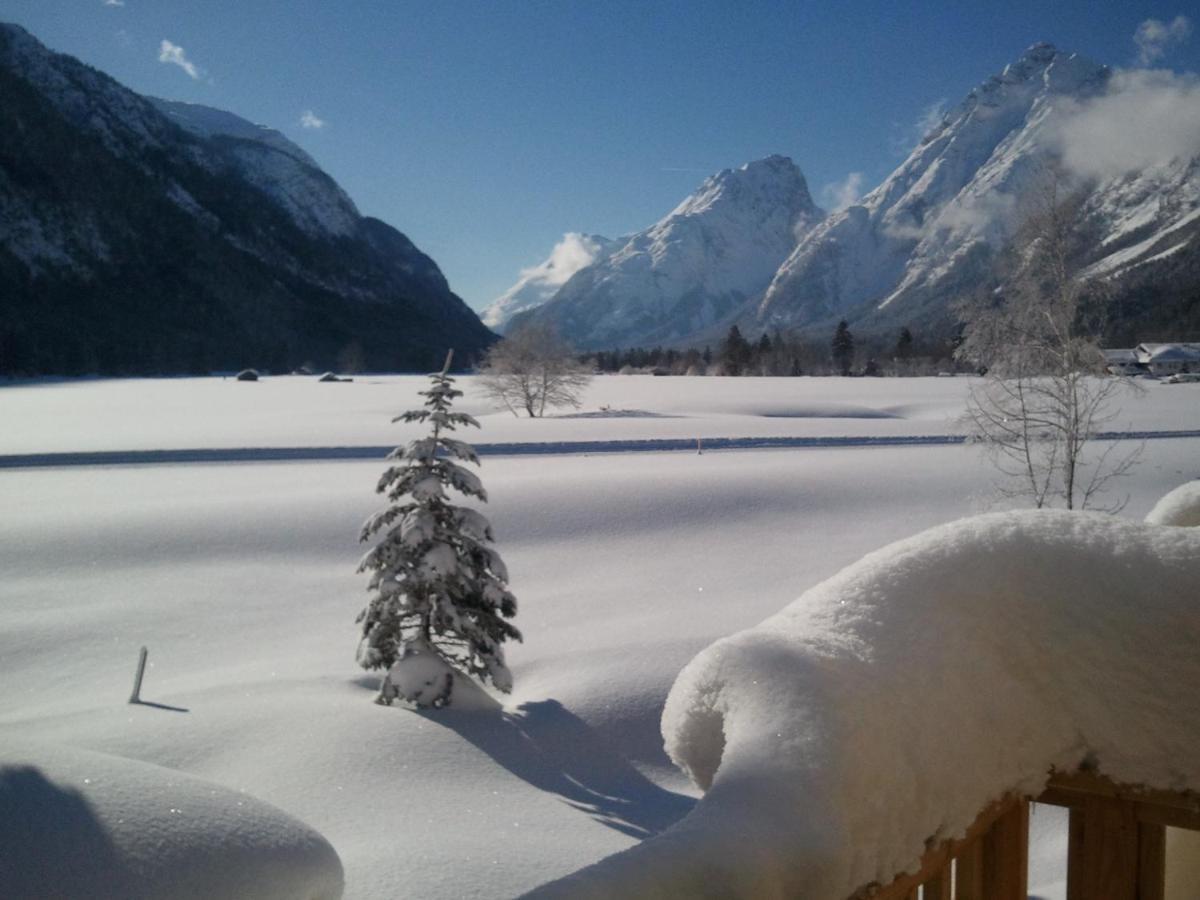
x=838 y=195
x=174 y=55
x=931 y=118
x=309 y=119
x=1154 y=37
x=114 y=2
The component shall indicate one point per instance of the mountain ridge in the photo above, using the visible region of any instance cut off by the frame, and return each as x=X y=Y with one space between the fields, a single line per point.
x=130 y=243
x=932 y=231
x=693 y=267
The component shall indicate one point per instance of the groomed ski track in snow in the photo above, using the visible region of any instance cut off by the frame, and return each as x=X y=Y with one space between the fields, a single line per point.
x=543 y=448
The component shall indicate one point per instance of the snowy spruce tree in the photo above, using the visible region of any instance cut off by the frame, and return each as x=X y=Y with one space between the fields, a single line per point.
x=439 y=595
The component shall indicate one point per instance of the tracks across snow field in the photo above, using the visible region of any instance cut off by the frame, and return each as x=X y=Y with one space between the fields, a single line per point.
x=557 y=448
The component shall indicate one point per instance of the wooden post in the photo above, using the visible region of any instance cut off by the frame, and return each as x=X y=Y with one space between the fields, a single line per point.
x=938 y=887
x=1102 y=854
x=1005 y=855
x=449 y=357
x=1152 y=861
x=968 y=872
x=136 y=696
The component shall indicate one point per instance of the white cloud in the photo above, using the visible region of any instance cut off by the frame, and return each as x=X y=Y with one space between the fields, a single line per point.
x=1154 y=37
x=839 y=194
x=904 y=136
x=572 y=253
x=537 y=284
x=174 y=55
x=309 y=119
x=931 y=117
x=1145 y=118
x=114 y=2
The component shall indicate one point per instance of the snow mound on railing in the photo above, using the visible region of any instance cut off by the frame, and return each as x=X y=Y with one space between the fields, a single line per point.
x=1181 y=507
x=74 y=823
x=890 y=704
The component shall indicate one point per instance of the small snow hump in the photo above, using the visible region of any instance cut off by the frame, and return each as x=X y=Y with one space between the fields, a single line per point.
x=420 y=677
x=77 y=823
x=1181 y=507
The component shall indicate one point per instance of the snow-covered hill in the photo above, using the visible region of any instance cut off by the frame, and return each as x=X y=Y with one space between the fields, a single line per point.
x=539 y=283
x=714 y=252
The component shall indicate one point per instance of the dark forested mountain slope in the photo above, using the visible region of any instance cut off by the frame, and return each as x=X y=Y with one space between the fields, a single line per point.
x=142 y=236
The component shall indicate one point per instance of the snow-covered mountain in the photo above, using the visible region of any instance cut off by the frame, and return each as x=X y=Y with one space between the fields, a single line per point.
x=955 y=196
x=539 y=283
x=142 y=235
x=751 y=248
x=706 y=259
x=927 y=233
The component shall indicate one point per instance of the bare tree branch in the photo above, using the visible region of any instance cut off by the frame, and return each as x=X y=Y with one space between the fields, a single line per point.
x=1045 y=394
x=533 y=370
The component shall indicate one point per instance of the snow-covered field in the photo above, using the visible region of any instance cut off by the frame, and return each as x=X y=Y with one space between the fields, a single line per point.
x=240 y=579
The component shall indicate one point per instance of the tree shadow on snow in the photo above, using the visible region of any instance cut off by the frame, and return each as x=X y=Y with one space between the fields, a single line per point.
x=546 y=745
x=52 y=843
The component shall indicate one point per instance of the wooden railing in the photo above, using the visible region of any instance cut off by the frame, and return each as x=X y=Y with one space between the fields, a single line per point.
x=1116 y=848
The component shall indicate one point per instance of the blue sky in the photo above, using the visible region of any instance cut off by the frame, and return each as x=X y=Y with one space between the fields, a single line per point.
x=485 y=130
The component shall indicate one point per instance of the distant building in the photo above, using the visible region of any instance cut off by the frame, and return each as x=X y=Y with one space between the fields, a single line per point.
x=1154 y=359
x=1122 y=362
x=1168 y=359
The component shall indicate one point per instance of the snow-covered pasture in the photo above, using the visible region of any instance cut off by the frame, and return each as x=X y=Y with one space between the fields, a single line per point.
x=295 y=411
x=240 y=580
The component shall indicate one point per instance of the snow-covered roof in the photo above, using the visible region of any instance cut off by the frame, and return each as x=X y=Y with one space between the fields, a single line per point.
x=1125 y=357
x=1120 y=356
x=891 y=703
x=1165 y=352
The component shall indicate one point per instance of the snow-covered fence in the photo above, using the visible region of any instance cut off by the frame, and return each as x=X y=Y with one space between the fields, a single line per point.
x=1116 y=848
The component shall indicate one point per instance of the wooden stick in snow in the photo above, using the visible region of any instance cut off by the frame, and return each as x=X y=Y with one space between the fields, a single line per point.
x=136 y=696
x=449 y=356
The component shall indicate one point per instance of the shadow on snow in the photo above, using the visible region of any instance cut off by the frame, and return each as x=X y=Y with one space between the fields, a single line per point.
x=550 y=748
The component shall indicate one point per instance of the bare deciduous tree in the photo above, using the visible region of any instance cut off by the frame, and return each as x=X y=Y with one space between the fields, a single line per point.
x=1045 y=395
x=533 y=369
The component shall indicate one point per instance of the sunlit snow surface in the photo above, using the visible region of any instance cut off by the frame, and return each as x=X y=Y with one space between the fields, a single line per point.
x=240 y=579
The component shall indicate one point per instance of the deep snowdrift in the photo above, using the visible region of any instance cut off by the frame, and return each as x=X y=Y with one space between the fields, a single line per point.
x=892 y=702
x=74 y=823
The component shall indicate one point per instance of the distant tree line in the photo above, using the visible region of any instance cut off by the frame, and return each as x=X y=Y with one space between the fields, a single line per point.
x=788 y=354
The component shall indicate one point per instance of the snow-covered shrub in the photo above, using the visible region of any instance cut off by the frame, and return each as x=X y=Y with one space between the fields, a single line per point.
x=1181 y=507
x=890 y=704
x=439 y=594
